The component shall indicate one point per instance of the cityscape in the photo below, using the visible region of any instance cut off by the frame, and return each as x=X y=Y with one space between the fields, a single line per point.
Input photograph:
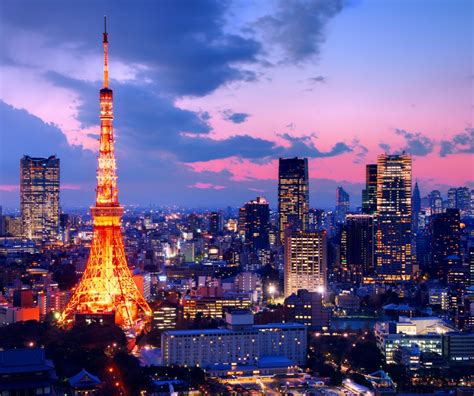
x=301 y=283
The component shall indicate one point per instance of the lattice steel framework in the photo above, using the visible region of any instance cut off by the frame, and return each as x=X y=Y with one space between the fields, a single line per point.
x=107 y=285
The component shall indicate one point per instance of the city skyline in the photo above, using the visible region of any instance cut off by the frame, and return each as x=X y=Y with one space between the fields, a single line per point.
x=198 y=136
x=201 y=265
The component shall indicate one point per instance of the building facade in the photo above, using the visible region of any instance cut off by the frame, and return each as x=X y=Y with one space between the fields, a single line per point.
x=308 y=308
x=293 y=194
x=445 y=230
x=360 y=245
x=342 y=204
x=241 y=342
x=305 y=261
x=394 y=216
x=369 y=194
x=39 y=197
x=255 y=218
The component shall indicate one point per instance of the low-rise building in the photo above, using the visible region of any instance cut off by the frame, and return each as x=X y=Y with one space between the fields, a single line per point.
x=425 y=333
x=241 y=343
x=458 y=348
x=165 y=315
x=213 y=306
x=408 y=356
x=10 y=314
x=26 y=372
x=307 y=308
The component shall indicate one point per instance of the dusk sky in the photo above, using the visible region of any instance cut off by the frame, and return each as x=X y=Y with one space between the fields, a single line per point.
x=208 y=94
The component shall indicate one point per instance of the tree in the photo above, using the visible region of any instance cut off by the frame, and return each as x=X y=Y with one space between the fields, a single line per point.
x=66 y=276
x=365 y=356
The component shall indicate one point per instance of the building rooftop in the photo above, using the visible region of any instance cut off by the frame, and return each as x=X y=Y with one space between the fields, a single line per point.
x=84 y=379
x=198 y=332
x=24 y=360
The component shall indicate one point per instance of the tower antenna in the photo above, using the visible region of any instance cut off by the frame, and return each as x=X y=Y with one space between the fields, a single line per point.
x=106 y=60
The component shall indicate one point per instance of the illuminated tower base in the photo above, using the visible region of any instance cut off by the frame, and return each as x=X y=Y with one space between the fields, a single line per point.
x=107 y=288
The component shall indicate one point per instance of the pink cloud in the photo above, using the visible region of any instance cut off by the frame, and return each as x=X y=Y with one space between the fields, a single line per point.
x=206 y=186
x=9 y=187
x=68 y=186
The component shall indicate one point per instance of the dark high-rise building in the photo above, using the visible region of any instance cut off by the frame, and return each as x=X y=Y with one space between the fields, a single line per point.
x=315 y=222
x=39 y=196
x=344 y=273
x=369 y=194
x=394 y=215
x=436 y=202
x=445 y=241
x=416 y=205
x=305 y=261
x=255 y=216
x=360 y=245
x=216 y=223
x=2 y=222
x=471 y=265
x=342 y=204
x=293 y=194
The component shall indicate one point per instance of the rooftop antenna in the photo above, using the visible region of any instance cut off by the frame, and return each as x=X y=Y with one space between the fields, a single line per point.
x=106 y=61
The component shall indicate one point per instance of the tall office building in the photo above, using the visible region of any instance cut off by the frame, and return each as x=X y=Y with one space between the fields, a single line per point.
x=2 y=222
x=293 y=194
x=436 y=202
x=39 y=196
x=369 y=194
x=305 y=261
x=471 y=265
x=416 y=205
x=255 y=217
x=445 y=241
x=216 y=223
x=360 y=245
x=459 y=198
x=394 y=215
x=342 y=204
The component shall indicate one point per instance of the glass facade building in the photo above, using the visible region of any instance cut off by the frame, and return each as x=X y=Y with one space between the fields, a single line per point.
x=39 y=197
x=293 y=194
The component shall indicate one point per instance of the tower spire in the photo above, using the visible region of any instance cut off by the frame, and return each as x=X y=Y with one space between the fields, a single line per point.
x=106 y=55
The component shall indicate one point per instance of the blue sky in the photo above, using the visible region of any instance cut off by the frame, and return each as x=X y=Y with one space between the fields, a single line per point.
x=208 y=94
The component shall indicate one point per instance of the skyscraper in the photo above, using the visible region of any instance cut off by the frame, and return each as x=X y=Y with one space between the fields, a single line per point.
x=39 y=196
x=394 y=215
x=369 y=194
x=459 y=198
x=256 y=223
x=216 y=223
x=445 y=232
x=416 y=204
x=293 y=194
x=342 y=204
x=107 y=291
x=435 y=201
x=360 y=245
x=305 y=261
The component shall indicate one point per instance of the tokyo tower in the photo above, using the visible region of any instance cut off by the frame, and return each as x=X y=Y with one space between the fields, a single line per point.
x=107 y=291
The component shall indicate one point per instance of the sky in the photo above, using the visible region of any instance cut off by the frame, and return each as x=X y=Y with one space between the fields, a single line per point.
x=209 y=94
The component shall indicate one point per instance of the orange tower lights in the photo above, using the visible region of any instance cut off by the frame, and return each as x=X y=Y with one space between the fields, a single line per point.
x=107 y=287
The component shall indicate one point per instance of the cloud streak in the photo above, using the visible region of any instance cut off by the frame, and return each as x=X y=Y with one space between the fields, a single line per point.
x=416 y=143
x=461 y=143
x=298 y=26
